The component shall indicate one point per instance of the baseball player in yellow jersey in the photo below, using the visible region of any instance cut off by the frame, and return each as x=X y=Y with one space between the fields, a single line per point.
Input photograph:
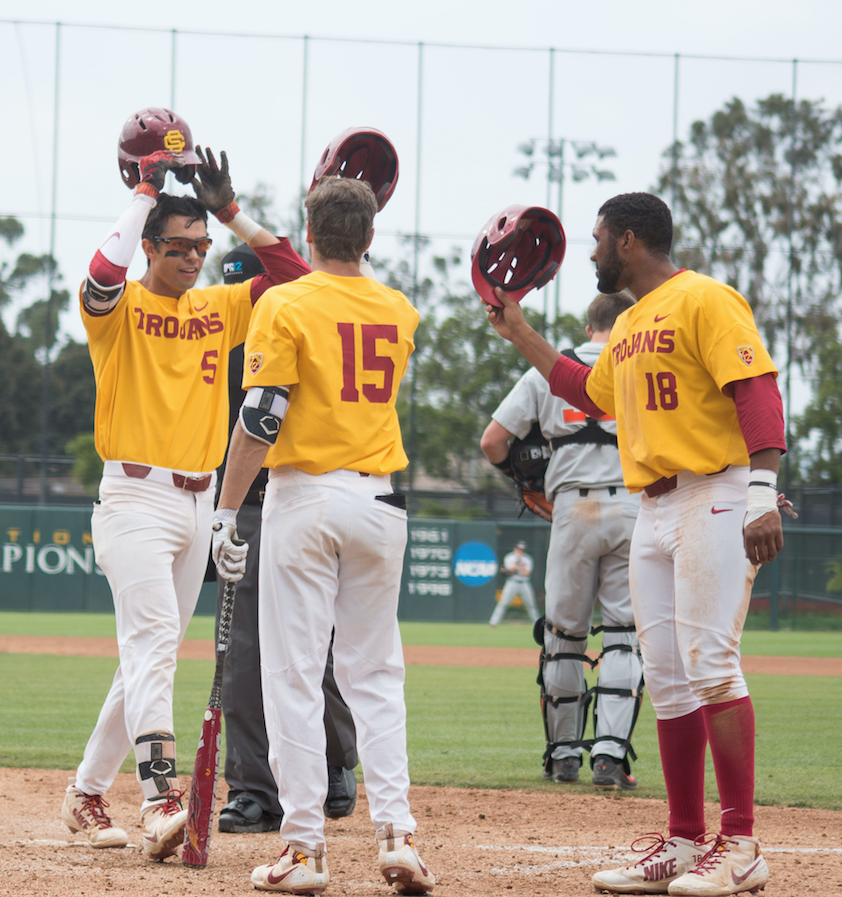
x=700 y=432
x=160 y=355
x=324 y=359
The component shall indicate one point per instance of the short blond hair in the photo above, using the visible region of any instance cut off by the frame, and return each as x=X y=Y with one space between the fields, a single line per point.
x=340 y=212
x=606 y=308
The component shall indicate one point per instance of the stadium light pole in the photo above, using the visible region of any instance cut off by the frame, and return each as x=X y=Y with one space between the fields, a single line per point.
x=556 y=167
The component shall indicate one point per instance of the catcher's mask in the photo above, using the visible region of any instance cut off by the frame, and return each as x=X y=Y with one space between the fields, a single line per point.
x=365 y=154
x=519 y=249
x=149 y=131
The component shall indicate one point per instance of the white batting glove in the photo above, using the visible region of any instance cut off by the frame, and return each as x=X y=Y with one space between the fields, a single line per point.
x=228 y=552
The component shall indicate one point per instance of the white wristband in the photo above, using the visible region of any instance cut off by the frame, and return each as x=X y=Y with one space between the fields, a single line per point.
x=762 y=494
x=225 y=515
x=244 y=227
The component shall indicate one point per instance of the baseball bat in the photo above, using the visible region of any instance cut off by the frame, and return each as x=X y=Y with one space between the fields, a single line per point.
x=200 y=809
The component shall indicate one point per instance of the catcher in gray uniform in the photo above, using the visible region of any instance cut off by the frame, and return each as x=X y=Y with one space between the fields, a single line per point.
x=593 y=516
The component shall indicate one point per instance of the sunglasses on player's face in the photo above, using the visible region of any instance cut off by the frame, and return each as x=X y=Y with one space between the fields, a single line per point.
x=183 y=246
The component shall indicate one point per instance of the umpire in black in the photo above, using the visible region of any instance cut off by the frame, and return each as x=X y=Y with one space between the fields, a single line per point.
x=252 y=792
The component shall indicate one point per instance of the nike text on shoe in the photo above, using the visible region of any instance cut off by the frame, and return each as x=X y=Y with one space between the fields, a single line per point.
x=400 y=864
x=163 y=824
x=85 y=813
x=733 y=864
x=298 y=871
x=665 y=860
x=609 y=775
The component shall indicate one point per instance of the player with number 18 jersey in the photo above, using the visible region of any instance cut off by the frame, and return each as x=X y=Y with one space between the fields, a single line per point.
x=669 y=359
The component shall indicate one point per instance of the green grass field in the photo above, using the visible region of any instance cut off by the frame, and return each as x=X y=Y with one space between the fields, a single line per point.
x=477 y=727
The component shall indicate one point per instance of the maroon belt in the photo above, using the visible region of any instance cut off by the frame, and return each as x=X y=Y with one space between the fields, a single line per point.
x=667 y=484
x=659 y=487
x=189 y=484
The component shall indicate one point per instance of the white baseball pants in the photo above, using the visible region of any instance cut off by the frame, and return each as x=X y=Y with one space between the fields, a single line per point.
x=152 y=542
x=690 y=586
x=515 y=586
x=332 y=555
x=588 y=561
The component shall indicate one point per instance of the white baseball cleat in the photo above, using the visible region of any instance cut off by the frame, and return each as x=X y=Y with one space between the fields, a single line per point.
x=733 y=864
x=85 y=813
x=163 y=824
x=400 y=864
x=666 y=859
x=298 y=871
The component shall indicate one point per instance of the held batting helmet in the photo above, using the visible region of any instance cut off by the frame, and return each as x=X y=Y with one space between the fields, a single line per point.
x=365 y=154
x=519 y=249
x=149 y=131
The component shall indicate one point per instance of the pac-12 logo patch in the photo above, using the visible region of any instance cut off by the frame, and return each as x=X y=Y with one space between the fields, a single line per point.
x=174 y=141
x=746 y=354
x=255 y=362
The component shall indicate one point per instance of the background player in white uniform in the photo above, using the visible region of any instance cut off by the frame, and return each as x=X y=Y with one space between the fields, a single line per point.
x=700 y=430
x=333 y=537
x=587 y=561
x=517 y=565
x=159 y=349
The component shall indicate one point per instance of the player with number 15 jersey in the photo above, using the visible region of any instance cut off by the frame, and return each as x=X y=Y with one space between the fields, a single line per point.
x=342 y=344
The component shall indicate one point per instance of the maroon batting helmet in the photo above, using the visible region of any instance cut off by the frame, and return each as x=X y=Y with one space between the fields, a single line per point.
x=365 y=154
x=149 y=131
x=519 y=249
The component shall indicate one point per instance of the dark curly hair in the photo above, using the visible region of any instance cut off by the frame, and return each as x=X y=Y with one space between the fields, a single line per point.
x=169 y=206
x=646 y=216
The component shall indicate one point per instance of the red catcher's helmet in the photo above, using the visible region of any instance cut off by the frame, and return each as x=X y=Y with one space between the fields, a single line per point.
x=519 y=249
x=365 y=154
x=149 y=131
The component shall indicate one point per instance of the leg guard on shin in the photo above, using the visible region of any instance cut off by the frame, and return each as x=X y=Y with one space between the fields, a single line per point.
x=155 y=757
x=564 y=697
x=618 y=693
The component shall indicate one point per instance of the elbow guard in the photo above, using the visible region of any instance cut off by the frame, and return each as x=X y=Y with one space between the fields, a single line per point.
x=263 y=411
x=101 y=300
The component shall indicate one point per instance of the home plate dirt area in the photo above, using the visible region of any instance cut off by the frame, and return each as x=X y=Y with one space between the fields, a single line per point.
x=511 y=843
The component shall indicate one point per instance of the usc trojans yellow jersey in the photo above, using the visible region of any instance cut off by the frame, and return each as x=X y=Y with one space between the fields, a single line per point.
x=668 y=361
x=342 y=344
x=161 y=369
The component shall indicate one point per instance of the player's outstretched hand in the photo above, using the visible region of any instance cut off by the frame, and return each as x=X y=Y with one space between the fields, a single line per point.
x=153 y=168
x=228 y=552
x=213 y=183
x=764 y=538
x=507 y=319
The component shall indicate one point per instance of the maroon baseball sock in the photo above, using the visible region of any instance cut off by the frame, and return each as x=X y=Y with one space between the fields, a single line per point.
x=730 y=731
x=682 y=742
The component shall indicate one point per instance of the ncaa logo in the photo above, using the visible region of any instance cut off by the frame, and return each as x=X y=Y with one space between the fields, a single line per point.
x=475 y=564
x=174 y=141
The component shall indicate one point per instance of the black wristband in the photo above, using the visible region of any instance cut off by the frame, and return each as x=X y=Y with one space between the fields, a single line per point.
x=504 y=467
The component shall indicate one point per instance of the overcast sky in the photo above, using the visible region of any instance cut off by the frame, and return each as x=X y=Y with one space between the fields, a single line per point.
x=241 y=89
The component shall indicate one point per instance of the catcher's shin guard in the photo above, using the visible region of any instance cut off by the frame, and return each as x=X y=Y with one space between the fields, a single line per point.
x=619 y=691
x=564 y=697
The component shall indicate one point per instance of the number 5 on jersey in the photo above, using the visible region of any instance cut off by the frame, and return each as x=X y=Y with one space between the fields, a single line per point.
x=371 y=361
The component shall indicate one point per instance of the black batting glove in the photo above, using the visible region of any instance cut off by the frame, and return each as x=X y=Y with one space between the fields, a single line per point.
x=213 y=183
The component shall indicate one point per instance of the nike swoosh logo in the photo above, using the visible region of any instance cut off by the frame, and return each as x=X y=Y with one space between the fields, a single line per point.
x=274 y=879
x=739 y=879
x=200 y=307
x=720 y=510
x=659 y=318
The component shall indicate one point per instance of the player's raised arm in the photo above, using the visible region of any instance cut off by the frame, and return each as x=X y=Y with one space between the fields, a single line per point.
x=106 y=278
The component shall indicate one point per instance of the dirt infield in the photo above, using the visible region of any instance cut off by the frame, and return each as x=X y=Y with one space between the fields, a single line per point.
x=511 y=843
x=421 y=655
